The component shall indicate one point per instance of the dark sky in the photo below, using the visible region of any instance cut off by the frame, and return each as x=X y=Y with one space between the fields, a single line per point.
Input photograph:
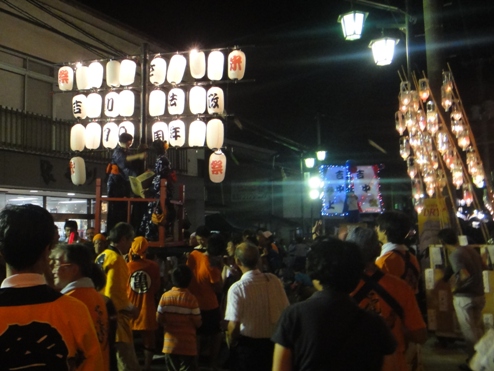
x=303 y=68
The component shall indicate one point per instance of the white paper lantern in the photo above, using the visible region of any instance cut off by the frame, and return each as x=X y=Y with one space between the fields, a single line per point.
x=157 y=103
x=157 y=71
x=94 y=102
x=82 y=78
x=215 y=134
x=113 y=74
x=176 y=101
x=93 y=135
x=217 y=166
x=126 y=127
x=197 y=100
x=215 y=100
x=112 y=104
x=77 y=170
x=177 y=133
x=176 y=69
x=79 y=106
x=110 y=135
x=216 y=63
x=77 y=137
x=65 y=78
x=126 y=103
x=236 y=65
x=160 y=131
x=95 y=75
x=197 y=133
x=127 y=72
x=197 y=63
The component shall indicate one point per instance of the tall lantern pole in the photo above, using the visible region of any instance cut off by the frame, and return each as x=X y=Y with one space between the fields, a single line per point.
x=144 y=95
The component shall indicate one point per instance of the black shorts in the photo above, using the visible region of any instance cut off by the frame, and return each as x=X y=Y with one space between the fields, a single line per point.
x=210 y=322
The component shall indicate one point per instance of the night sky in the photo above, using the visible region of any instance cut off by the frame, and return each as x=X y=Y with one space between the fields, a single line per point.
x=303 y=68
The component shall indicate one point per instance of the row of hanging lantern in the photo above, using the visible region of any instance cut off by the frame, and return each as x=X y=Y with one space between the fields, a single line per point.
x=93 y=135
x=427 y=141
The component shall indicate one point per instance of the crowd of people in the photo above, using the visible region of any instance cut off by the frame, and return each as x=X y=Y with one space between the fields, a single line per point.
x=241 y=302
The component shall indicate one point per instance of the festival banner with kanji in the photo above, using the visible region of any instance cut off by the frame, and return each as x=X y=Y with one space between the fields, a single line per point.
x=335 y=187
x=365 y=183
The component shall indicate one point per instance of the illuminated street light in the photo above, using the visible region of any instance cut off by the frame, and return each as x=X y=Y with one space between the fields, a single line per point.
x=383 y=50
x=310 y=162
x=321 y=155
x=352 y=24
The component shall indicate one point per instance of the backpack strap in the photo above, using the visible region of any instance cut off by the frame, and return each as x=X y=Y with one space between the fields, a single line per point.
x=408 y=264
x=372 y=284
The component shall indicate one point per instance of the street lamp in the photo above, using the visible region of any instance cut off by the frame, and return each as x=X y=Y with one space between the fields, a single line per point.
x=352 y=24
x=321 y=155
x=378 y=44
x=310 y=162
x=383 y=50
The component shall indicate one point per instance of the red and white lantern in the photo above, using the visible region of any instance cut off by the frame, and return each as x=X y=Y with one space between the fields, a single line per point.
x=110 y=135
x=112 y=104
x=79 y=106
x=176 y=69
x=77 y=137
x=126 y=103
x=197 y=133
x=217 y=166
x=215 y=100
x=197 y=100
x=113 y=74
x=197 y=63
x=95 y=70
x=127 y=72
x=77 y=170
x=93 y=135
x=215 y=133
x=216 y=64
x=157 y=71
x=160 y=131
x=176 y=101
x=66 y=78
x=157 y=103
x=94 y=103
x=177 y=133
x=236 y=65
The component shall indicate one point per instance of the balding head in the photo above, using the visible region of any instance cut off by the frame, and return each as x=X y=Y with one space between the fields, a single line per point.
x=248 y=255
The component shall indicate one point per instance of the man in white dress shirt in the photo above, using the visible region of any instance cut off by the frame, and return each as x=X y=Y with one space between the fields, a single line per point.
x=254 y=305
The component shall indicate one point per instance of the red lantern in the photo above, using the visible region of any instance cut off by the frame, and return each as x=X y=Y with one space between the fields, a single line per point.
x=217 y=166
x=236 y=65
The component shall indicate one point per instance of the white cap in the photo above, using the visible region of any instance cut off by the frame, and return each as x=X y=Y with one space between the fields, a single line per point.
x=267 y=234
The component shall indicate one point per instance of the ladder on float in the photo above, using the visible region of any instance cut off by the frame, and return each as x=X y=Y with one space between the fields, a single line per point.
x=177 y=239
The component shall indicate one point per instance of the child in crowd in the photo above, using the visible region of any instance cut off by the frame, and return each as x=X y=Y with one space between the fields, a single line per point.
x=179 y=313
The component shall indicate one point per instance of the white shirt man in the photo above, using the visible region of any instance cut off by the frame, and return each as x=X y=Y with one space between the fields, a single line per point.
x=254 y=305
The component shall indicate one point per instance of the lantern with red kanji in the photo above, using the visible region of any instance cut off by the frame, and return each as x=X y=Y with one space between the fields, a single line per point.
x=65 y=78
x=77 y=170
x=236 y=65
x=217 y=166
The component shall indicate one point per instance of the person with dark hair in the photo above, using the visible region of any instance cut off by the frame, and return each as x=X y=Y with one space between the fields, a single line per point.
x=179 y=313
x=118 y=184
x=143 y=285
x=76 y=274
x=71 y=231
x=48 y=328
x=202 y=235
x=254 y=305
x=468 y=287
x=117 y=276
x=390 y=297
x=392 y=229
x=162 y=170
x=206 y=285
x=328 y=330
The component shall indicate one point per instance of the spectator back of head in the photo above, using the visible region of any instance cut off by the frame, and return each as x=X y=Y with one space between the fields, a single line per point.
x=395 y=224
x=181 y=276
